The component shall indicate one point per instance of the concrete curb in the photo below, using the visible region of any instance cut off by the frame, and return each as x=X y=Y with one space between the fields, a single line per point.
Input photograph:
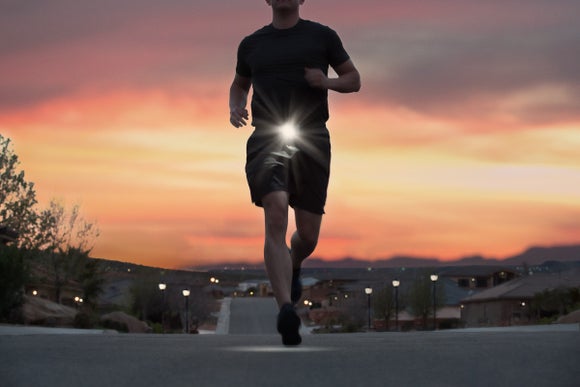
x=14 y=330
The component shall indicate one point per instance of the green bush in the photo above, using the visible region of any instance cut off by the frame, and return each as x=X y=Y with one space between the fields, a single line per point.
x=157 y=327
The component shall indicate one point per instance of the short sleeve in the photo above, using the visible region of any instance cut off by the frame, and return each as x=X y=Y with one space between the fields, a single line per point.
x=337 y=55
x=242 y=67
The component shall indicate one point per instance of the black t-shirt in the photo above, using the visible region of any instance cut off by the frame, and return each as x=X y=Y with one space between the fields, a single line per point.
x=275 y=60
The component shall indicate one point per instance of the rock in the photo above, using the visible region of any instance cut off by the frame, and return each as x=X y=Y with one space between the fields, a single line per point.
x=39 y=311
x=570 y=318
x=120 y=320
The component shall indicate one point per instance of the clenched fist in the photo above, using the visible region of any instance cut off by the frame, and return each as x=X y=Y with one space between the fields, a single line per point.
x=315 y=78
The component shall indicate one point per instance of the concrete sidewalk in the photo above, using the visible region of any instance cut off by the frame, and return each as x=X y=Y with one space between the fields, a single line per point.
x=13 y=330
x=443 y=358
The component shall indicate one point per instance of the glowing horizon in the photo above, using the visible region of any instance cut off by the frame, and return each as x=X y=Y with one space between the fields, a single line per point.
x=463 y=139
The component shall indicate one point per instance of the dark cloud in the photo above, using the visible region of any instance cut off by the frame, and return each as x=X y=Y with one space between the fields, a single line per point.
x=442 y=72
x=448 y=58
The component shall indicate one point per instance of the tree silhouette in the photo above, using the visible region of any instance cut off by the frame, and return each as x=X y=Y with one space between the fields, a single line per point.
x=17 y=195
x=421 y=297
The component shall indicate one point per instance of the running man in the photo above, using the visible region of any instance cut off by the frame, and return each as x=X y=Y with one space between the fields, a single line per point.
x=288 y=154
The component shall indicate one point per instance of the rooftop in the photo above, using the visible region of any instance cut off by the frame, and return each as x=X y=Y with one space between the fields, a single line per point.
x=527 y=287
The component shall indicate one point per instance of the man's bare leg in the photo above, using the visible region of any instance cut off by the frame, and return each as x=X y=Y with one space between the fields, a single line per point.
x=303 y=243
x=279 y=265
x=276 y=255
x=305 y=238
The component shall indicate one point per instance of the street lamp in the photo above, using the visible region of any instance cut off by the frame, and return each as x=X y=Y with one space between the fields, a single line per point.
x=185 y=293
x=162 y=287
x=396 y=284
x=434 y=278
x=368 y=292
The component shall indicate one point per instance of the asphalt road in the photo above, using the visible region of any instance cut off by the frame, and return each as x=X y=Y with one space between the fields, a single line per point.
x=253 y=316
x=546 y=356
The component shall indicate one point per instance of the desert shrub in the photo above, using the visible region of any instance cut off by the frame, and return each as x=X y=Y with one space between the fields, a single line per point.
x=84 y=320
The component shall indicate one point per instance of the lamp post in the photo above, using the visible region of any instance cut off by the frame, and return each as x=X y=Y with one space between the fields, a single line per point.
x=162 y=287
x=396 y=284
x=185 y=293
x=434 y=278
x=368 y=292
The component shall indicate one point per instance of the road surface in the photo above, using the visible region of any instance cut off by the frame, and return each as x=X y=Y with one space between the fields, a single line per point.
x=253 y=315
x=547 y=356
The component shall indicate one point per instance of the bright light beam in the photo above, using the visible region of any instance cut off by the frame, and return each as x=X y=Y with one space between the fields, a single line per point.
x=289 y=131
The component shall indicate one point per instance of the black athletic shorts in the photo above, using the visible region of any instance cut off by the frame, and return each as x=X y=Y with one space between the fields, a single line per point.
x=300 y=167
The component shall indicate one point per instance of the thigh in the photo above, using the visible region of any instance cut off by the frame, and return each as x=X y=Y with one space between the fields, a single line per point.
x=266 y=170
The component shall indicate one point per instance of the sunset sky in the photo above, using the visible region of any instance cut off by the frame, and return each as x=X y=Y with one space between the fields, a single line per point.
x=464 y=139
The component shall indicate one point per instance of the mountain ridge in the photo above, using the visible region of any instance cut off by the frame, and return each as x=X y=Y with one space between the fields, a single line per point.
x=534 y=255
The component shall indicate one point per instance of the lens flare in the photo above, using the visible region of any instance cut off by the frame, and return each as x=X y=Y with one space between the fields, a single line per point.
x=289 y=131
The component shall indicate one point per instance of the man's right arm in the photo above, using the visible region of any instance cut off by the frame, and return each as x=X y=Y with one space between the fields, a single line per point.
x=238 y=100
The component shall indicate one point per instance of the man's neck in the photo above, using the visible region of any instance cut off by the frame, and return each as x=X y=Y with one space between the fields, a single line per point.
x=283 y=20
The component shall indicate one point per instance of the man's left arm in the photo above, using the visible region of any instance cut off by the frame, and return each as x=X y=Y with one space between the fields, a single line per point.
x=348 y=80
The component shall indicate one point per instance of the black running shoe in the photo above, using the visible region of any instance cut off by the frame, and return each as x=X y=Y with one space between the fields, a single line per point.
x=289 y=325
x=296 y=290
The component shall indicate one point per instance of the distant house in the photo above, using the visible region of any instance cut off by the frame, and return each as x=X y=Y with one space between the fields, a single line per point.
x=478 y=277
x=256 y=288
x=328 y=292
x=509 y=303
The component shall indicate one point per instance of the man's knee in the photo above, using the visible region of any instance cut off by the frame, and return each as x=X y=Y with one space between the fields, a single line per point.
x=308 y=227
x=309 y=238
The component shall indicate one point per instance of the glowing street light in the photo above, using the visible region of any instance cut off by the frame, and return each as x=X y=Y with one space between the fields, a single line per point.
x=186 y=293
x=368 y=292
x=396 y=284
x=434 y=278
x=162 y=287
x=78 y=301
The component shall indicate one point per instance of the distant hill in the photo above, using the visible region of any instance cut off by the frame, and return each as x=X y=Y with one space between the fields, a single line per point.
x=536 y=255
x=539 y=255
